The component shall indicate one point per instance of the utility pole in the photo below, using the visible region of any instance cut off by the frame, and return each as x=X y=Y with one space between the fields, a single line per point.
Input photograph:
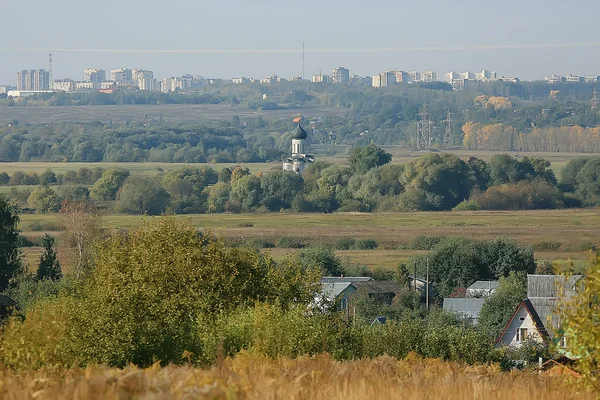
x=427 y=285
x=447 y=143
x=595 y=100
x=415 y=275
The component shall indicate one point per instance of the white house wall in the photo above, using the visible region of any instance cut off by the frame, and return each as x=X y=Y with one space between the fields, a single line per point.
x=522 y=319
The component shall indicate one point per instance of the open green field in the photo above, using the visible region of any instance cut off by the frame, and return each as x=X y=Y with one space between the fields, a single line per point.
x=554 y=234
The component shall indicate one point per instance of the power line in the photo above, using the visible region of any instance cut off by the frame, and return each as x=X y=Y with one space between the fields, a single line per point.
x=356 y=50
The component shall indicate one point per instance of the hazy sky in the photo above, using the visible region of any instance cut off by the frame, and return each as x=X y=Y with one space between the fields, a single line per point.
x=284 y=25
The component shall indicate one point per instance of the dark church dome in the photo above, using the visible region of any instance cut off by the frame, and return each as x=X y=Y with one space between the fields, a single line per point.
x=299 y=133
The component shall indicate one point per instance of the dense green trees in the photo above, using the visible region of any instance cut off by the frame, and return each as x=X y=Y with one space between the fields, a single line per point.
x=106 y=188
x=363 y=158
x=588 y=182
x=10 y=254
x=44 y=200
x=48 y=267
x=436 y=182
x=433 y=182
x=142 y=195
x=500 y=306
x=457 y=262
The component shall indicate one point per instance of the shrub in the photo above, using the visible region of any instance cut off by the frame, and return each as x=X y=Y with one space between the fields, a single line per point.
x=287 y=242
x=467 y=205
x=425 y=242
x=365 y=244
x=41 y=340
x=524 y=195
x=261 y=243
x=345 y=243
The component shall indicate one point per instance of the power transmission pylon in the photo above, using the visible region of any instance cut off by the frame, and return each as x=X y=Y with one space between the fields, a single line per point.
x=424 y=126
x=447 y=143
x=595 y=100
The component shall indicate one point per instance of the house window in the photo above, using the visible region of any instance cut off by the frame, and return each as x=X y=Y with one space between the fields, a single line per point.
x=344 y=304
x=563 y=342
x=521 y=334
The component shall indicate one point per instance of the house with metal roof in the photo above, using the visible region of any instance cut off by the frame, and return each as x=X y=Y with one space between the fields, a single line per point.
x=537 y=318
x=342 y=291
x=482 y=289
x=465 y=307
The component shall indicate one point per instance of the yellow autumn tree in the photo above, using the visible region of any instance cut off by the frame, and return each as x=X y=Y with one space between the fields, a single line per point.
x=582 y=324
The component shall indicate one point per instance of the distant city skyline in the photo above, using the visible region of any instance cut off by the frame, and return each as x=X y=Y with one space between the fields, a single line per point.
x=525 y=39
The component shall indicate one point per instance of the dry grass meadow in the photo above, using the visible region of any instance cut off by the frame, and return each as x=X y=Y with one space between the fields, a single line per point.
x=319 y=377
x=556 y=235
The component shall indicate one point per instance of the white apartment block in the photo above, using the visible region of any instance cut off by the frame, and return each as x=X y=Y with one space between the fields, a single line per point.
x=95 y=75
x=320 y=78
x=414 y=76
x=82 y=86
x=340 y=75
x=376 y=81
x=63 y=85
x=554 y=79
x=121 y=75
x=574 y=78
x=429 y=76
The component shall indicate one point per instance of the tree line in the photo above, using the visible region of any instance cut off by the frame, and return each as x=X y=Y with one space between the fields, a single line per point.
x=433 y=182
x=513 y=117
x=131 y=142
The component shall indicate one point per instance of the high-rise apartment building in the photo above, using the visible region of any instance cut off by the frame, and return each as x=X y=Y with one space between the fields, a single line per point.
x=429 y=76
x=340 y=75
x=144 y=80
x=94 y=75
x=34 y=80
x=121 y=75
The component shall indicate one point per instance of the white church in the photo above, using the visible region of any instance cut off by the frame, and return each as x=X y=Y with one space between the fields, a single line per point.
x=299 y=159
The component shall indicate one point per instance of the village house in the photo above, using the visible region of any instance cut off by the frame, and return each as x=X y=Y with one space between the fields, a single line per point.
x=537 y=317
x=343 y=290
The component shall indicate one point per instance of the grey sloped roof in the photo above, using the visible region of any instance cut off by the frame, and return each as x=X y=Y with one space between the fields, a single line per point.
x=552 y=285
x=332 y=290
x=546 y=310
x=469 y=307
x=483 y=285
x=6 y=301
x=373 y=287
x=350 y=279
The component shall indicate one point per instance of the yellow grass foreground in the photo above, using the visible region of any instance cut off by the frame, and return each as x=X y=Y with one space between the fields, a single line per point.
x=252 y=377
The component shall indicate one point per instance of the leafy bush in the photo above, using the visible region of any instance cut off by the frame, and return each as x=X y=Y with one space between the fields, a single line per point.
x=345 y=243
x=524 y=195
x=288 y=242
x=261 y=243
x=425 y=242
x=365 y=244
